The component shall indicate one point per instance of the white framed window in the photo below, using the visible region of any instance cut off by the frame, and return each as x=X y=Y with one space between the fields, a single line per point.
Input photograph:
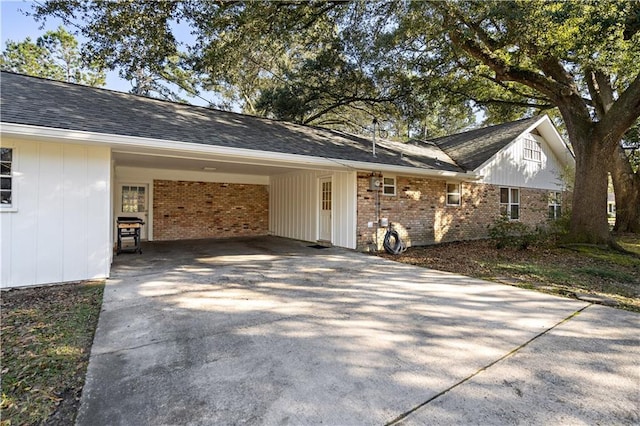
x=453 y=194
x=555 y=205
x=134 y=199
x=7 y=184
x=510 y=203
x=389 y=185
x=326 y=196
x=532 y=149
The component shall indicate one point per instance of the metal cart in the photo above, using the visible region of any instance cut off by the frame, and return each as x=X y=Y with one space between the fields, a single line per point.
x=129 y=233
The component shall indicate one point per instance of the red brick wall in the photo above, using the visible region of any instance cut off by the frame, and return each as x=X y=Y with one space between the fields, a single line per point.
x=189 y=210
x=421 y=215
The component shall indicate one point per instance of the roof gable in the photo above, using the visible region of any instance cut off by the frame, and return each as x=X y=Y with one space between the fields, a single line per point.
x=472 y=149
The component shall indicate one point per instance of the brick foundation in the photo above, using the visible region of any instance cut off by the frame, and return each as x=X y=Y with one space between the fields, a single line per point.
x=422 y=217
x=189 y=210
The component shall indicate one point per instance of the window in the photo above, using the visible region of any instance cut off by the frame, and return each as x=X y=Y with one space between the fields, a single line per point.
x=133 y=199
x=555 y=201
x=389 y=186
x=510 y=203
x=532 y=150
x=326 y=195
x=6 y=177
x=453 y=194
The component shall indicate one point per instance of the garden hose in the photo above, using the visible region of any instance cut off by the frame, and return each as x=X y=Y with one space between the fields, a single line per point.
x=398 y=245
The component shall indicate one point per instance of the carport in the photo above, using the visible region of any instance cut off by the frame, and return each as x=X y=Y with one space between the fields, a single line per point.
x=271 y=331
x=208 y=195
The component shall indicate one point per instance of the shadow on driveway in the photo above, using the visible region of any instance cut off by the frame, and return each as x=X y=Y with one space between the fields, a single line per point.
x=271 y=331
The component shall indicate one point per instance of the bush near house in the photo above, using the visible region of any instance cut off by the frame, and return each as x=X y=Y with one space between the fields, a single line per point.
x=47 y=334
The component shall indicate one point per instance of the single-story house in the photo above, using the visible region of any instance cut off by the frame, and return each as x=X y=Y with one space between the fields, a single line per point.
x=75 y=158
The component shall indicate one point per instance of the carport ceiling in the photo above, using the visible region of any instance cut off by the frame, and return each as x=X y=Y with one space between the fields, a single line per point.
x=155 y=160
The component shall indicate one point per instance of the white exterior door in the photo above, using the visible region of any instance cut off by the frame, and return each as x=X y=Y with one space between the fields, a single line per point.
x=133 y=201
x=324 y=231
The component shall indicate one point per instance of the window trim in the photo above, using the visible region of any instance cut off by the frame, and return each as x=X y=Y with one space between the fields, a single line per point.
x=13 y=207
x=383 y=186
x=458 y=193
x=555 y=201
x=533 y=147
x=509 y=204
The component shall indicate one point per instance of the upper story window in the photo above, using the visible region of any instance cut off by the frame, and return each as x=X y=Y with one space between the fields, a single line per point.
x=532 y=149
x=510 y=203
x=6 y=178
x=453 y=194
x=555 y=205
x=389 y=186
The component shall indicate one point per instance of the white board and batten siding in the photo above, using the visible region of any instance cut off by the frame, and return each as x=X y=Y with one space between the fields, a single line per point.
x=510 y=168
x=59 y=229
x=294 y=205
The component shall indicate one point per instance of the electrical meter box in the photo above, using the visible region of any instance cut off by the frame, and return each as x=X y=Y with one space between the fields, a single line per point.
x=375 y=183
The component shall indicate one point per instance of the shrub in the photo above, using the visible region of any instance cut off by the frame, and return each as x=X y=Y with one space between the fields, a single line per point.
x=507 y=233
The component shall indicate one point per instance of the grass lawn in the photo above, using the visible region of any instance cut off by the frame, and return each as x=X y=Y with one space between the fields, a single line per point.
x=567 y=271
x=47 y=334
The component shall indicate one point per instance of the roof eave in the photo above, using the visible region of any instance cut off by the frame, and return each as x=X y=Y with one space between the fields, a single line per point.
x=231 y=154
x=410 y=171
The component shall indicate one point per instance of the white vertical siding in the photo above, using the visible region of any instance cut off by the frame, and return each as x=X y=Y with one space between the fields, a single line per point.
x=509 y=168
x=294 y=206
x=344 y=209
x=60 y=230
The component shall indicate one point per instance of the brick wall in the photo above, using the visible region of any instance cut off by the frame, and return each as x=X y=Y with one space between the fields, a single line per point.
x=422 y=217
x=188 y=210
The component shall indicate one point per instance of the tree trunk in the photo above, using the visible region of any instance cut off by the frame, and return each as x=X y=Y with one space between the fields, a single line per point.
x=589 y=210
x=626 y=185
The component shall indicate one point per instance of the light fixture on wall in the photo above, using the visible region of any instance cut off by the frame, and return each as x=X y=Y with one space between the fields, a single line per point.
x=209 y=169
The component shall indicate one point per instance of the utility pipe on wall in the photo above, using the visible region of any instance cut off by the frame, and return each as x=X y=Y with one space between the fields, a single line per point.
x=375 y=121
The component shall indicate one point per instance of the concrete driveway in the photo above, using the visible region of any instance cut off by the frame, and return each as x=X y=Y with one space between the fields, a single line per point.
x=270 y=331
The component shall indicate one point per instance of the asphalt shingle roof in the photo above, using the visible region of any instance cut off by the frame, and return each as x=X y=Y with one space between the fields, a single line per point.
x=47 y=103
x=473 y=148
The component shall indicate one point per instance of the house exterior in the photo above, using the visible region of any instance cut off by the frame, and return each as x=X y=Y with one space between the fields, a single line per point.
x=75 y=158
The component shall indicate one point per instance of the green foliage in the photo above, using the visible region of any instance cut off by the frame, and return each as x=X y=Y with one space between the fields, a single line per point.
x=511 y=233
x=309 y=62
x=54 y=55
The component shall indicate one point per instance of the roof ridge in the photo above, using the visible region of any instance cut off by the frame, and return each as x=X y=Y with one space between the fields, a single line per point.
x=484 y=128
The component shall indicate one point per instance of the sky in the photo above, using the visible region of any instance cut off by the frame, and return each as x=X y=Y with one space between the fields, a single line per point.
x=16 y=26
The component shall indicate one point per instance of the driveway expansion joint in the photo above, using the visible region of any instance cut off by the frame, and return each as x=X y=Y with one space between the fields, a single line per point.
x=408 y=413
x=198 y=337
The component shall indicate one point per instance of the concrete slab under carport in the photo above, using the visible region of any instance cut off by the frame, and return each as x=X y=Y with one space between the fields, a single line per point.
x=270 y=331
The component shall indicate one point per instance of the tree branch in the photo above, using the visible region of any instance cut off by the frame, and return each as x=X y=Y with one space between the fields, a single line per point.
x=512 y=89
x=504 y=71
x=343 y=102
x=541 y=107
x=622 y=114
x=606 y=91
